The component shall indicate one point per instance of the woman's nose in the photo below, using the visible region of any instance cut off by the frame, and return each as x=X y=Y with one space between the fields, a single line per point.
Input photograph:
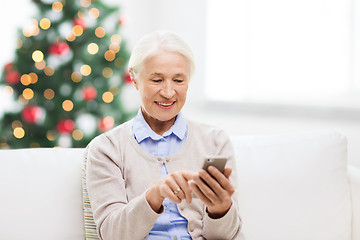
x=167 y=90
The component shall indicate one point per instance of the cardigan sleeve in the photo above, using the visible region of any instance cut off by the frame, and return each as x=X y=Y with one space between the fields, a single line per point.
x=115 y=217
x=229 y=226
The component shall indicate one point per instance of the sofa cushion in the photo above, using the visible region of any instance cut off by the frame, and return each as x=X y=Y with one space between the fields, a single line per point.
x=294 y=186
x=41 y=194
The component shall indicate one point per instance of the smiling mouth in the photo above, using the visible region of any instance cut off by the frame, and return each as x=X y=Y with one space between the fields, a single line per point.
x=165 y=104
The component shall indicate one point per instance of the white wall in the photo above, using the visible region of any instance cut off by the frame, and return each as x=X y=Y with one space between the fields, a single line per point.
x=13 y=15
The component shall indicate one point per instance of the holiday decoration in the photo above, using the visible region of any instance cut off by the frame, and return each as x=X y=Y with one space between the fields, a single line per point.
x=32 y=114
x=67 y=77
x=59 y=48
x=12 y=77
x=106 y=124
x=8 y=67
x=86 y=123
x=89 y=93
x=80 y=22
x=65 y=126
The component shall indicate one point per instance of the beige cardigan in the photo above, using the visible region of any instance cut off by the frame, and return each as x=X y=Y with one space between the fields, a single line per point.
x=119 y=172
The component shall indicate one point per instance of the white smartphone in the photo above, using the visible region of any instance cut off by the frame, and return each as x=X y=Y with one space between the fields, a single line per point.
x=217 y=161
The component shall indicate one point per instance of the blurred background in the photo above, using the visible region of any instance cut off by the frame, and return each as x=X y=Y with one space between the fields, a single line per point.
x=263 y=67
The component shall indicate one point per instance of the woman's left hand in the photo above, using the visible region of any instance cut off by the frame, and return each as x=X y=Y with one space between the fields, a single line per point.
x=214 y=189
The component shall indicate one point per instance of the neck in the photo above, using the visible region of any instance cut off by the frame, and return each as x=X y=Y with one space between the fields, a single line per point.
x=159 y=127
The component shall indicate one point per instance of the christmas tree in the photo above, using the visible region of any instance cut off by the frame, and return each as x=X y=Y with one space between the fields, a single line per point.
x=68 y=72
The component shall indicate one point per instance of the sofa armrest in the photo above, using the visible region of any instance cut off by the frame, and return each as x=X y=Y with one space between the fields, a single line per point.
x=354 y=179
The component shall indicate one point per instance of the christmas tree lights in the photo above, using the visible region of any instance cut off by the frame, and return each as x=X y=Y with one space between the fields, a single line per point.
x=67 y=76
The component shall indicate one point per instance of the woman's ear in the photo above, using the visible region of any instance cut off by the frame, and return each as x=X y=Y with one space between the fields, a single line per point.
x=132 y=76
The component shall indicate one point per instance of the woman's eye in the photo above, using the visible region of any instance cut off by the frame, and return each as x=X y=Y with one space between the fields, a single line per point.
x=179 y=80
x=156 y=80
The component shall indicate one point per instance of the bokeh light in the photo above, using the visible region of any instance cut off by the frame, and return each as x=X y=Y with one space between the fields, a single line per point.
x=34 y=77
x=49 y=71
x=40 y=65
x=116 y=39
x=93 y=48
x=100 y=32
x=57 y=6
x=109 y=121
x=80 y=14
x=77 y=134
x=49 y=94
x=76 y=77
x=22 y=100
x=37 y=56
x=85 y=70
x=67 y=105
x=27 y=33
x=94 y=13
x=19 y=132
x=108 y=97
x=77 y=30
x=71 y=37
x=85 y=3
x=45 y=23
x=9 y=90
x=51 y=135
x=114 y=47
x=107 y=72
x=109 y=55
x=31 y=29
x=28 y=93
x=25 y=79
x=36 y=32
x=16 y=124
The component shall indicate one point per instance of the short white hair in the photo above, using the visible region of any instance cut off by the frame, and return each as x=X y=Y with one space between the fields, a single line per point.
x=150 y=44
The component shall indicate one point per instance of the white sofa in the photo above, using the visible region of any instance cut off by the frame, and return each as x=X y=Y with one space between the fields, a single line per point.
x=292 y=187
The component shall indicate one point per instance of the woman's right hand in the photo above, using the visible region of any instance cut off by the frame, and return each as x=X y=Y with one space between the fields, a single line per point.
x=173 y=186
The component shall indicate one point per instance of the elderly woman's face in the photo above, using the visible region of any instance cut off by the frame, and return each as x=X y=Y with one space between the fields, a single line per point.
x=162 y=84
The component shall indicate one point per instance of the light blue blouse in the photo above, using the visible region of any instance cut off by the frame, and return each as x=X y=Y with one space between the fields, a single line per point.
x=170 y=224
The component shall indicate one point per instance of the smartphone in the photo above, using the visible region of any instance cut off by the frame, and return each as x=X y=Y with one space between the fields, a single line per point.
x=217 y=161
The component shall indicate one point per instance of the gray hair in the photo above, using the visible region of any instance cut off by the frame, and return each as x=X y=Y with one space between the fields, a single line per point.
x=149 y=45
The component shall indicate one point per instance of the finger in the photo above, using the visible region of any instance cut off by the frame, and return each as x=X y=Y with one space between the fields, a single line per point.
x=168 y=192
x=195 y=188
x=180 y=194
x=173 y=189
x=206 y=184
x=211 y=183
x=222 y=180
x=183 y=184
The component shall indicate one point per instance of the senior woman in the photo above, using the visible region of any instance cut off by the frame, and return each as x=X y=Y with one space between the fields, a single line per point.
x=144 y=178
